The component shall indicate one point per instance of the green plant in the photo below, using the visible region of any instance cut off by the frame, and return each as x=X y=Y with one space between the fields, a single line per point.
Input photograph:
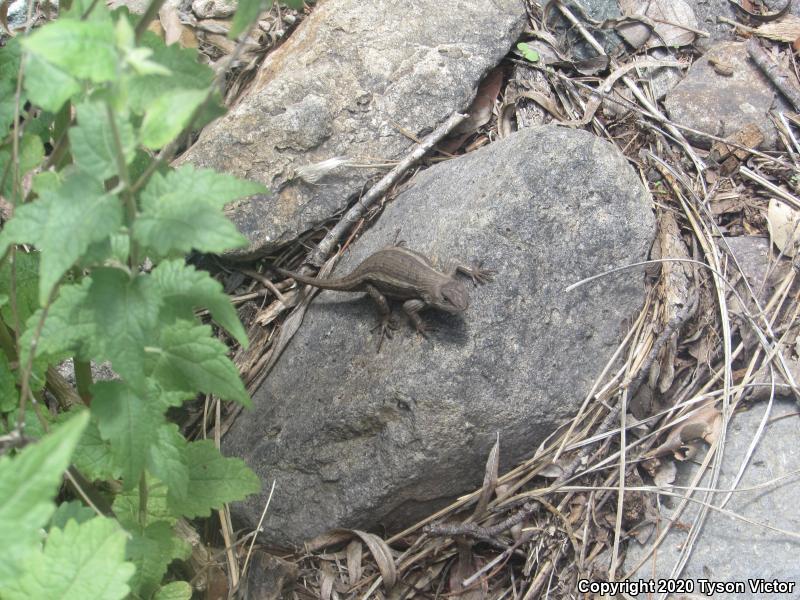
x=91 y=105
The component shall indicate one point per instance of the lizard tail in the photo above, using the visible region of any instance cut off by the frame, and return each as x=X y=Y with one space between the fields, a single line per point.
x=325 y=284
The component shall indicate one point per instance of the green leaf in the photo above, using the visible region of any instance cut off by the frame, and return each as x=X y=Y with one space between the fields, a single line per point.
x=62 y=224
x=187 y=73
x=8 y=103
x=183 y=211
x=47 y=181
x=189 y=358
x=26 y=285
x=67 y=328
x=81 y=561
x=214 y=480
x=167 y=461
x=93 y=456
x=124 y=316
x=177 y=590
x=247 y=12
x=126 y=505
x=129 y=422
x=84 y=49
x=71 y=510
x=527 y=52
x=9 y=396
x=31 y=154
x=184 y=289
x=49 y=86
x=28 y=483
x=92 y=140
x=152 y=550
x=167 y=115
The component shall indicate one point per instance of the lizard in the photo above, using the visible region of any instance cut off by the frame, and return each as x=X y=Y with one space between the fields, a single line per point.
x=401 y=273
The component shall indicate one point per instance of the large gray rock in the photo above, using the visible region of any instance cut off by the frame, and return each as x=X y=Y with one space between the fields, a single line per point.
x=348 y=82
x=357 y=439
x=731 y=550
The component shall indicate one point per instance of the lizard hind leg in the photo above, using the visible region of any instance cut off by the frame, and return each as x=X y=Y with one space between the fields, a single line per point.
x=387 y=324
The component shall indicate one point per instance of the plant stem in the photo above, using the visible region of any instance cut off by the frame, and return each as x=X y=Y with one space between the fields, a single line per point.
x=149 y=15
x=127 y=193
x=83 y=379
x=143 y=500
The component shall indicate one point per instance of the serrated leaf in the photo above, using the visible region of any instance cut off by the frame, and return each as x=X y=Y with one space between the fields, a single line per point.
x=81 y=561
x=62 y=224
x=167 y=461
x=9 y=396
x=93 y=457
x=177 y=590
x=247 y=12
x=152 y=550
x=167 y=115
x=26 y=285
x=183 y=211
x=31 y=154
x=129 y=421
x=67 y=328
x=185 y=289
x=124 y=316
x=92 y=140
x=126 y=505
x=48 y=86
x=187 y=73
x=84 y=49
x=71 y=510
x=189 y=358
x=295 y=4
x=214 y=480
x=28 y=483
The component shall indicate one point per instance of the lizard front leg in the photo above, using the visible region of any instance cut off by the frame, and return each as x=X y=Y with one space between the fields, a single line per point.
x=412 y=308
x=476 y=271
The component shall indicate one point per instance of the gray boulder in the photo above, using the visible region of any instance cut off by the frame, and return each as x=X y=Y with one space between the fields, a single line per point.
x=356 y=438
x=352 y=81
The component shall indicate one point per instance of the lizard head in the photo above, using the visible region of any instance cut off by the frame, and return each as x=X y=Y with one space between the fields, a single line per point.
x=452 y=297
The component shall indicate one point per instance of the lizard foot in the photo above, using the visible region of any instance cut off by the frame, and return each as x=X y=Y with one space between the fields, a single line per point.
x=479 y=274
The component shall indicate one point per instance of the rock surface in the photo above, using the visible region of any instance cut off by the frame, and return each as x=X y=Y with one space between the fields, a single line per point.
x=736 y=100
x=348 y=82
x=728 y=549
x=359 y=439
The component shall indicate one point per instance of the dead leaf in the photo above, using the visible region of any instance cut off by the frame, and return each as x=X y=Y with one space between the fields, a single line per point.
x=673 y=20
x=170 y=20
x=748 y=8
x=328 y=579
x=380 y=552
x=665 y=475
x=783 y=223
x=551 y=471
x=703 y=425
x=4 y=4
x=489 y=480
x=467 y=564
x=354 y=553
